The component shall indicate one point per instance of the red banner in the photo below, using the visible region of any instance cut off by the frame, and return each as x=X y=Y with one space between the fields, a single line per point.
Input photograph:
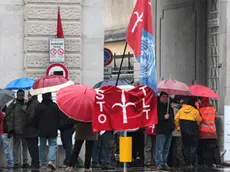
x=116 y=109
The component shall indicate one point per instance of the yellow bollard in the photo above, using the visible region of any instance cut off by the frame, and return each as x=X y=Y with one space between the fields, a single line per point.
x=125 y=149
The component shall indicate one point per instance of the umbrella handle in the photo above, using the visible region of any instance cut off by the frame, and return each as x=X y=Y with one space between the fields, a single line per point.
x=168 y=105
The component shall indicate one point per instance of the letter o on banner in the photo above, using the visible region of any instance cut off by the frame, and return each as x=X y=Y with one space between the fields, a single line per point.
x=102 y=118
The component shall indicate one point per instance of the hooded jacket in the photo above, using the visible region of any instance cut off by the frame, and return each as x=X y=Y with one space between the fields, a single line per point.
x=47 y=116
x=187 y=120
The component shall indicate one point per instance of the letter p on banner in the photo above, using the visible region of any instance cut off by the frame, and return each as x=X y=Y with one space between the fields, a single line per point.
x=125 y=149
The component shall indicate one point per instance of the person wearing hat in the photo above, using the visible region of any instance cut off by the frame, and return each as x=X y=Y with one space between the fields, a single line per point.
x=164 y=130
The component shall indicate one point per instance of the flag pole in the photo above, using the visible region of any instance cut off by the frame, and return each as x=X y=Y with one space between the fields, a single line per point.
x=125 y=163
x=118 y=76
x=123 y=56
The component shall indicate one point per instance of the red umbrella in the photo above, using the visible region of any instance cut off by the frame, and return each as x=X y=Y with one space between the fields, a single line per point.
x=77 y=102
x=203 y=91
x=49 y=84
x=173 y=87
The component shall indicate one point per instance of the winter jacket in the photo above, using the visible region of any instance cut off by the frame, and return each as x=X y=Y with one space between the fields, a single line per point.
x=47 y=116
x=84 y=131
x=187 y=120
x=30 y=125
x=65 y=123
x=164 y=126
x=16 y=116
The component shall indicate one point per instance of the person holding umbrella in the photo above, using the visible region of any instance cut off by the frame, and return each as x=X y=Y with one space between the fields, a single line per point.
x=83 y=133
x=77 y=102
x=164 y=130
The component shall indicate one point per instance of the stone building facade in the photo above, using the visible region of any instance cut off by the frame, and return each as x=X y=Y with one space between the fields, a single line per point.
x=26 y=27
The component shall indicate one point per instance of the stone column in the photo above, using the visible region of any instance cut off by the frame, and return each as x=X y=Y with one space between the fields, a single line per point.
x=93 y=41
x=11 y=40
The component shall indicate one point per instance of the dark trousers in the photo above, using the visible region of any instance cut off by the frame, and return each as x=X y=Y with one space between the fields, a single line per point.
x=77 y=149
x=208 y=152
x=107 y=148
x=190 y=149
x=33 y=150
x=97 y=152
x=66 y=138
x=138 y=144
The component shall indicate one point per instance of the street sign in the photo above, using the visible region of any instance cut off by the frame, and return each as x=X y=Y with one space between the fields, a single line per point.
x=57 y=50
x=57 y=69
x=108 y=56
x=108 y=70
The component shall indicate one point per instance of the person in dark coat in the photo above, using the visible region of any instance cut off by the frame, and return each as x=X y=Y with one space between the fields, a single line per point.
x=47 y=114
x=66 y=128
x=83 y=133
x=164 y=130
x=16 y=117
x=31 y=132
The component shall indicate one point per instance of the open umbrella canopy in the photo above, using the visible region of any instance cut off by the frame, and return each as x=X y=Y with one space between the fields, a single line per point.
x=173 y=87
x=111 y=82
x=203 y=91
x=77 y=102
x=5 y=97
x=48 y=84
x=20 y=83
x=122 y=84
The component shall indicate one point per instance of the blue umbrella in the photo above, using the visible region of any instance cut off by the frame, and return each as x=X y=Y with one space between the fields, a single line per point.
x=21 y=83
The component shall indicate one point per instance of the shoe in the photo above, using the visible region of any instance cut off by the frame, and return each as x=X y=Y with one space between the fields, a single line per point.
x=43 y=168
x=191 y=166
x=69 y=169
x=148 y=165
x=35 y=166
x=166 y=167
x=88 y=170
x=10 y=166
x=25 y=165
x=95 y=165
x=17 y=165
x=108 y=168
x=51 y=166
x=63 y=166
x=159 y=167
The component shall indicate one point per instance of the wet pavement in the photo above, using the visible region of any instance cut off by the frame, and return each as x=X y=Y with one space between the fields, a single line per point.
x=129 y=170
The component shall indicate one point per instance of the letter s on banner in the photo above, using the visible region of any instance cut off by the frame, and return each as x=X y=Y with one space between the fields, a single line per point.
x=100 y=94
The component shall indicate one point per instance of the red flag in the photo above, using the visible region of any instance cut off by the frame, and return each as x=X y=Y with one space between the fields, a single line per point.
x=139 y=24
x=60 y=33
x=116 y=109
x=140 y=38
